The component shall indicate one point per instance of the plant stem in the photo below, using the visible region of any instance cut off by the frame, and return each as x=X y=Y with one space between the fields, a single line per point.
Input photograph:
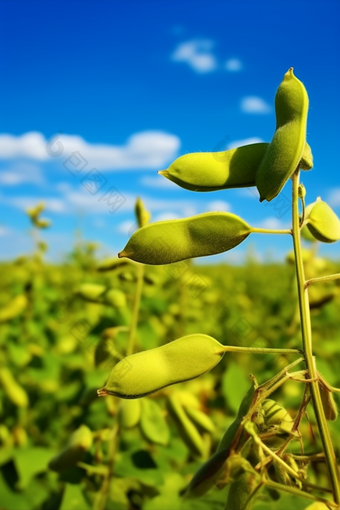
x=328 y=278
x=100 y=501
x=296 y=492
x=135 y=310
x=114 y=441
x=260 y=350
x=307 y=347
x=270 y=231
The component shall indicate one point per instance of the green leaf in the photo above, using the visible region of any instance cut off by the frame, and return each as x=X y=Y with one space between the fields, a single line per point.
x=73 y=498
x=10 y=500
x=31 y=461
x=153 y=423
x=234 y=385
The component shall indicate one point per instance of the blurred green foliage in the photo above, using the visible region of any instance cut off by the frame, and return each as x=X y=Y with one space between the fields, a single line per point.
x=57 y=349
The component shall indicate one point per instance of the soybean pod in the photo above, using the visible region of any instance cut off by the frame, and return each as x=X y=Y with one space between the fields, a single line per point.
x=149 y=371
x=284 y=153
x=212 y=171
x=170 y=241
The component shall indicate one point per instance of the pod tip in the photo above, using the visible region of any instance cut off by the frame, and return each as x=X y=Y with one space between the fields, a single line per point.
x=121 y=254
x=102 y=392
x=165 y=173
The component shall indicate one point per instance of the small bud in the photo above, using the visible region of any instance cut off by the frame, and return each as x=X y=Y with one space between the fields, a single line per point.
x=143 y=216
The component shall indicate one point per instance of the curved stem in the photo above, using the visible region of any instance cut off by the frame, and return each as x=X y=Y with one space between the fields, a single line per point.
x=297 y=492
x=307 y=346
x=320 y=279
x=303 y=211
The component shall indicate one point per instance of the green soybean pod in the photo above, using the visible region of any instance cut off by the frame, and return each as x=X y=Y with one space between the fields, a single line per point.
x=234 y=168
x=200 y=419
x=112 y=264
x=327 y=399
x=13 y=390
x=323 y=223
x=211 y=171
x=42 y=223
x=274 y=413
x=170 y=241
x=230 y=433
x=285 y=151
x=187 y=429
x=206 y=476
x=143 y=216
x=241 y=489
x=14 y=308
x=307 y=161
x=153 y=424
x=146 y=372
x=115 y=298
x=92 y=292
x=79 y=443
x=129 y=413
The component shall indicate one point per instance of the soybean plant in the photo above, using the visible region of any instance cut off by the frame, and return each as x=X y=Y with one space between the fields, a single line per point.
x=253 y=453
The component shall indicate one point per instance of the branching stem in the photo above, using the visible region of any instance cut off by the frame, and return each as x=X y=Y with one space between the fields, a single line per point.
x=308 y=350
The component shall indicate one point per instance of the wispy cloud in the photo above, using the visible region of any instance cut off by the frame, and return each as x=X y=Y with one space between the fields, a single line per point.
x=20 y=173
x=52 y=204
x=218 y=206
x=197 y=54
x=233 y=65
x=273 y=223
x=334 y=197
x=254 y=104
x=4 y=231
x=157 y=182
x=144 y=150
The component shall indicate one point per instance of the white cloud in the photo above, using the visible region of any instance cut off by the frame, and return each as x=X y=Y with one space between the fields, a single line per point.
x=167 y=216
x=197 y=54
x=273 y=223
x=334 y=197
x=245 y=141
x=99 y=223
x=254 y=104
x=21 y=173
x=4 y=231
x=218 y=205
x=233 y=65
x=51 y=204
x=250 y=192
x=157 y=182
x=144 y=150
x=127 y=227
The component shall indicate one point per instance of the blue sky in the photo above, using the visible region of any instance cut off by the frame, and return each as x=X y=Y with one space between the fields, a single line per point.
x=130 y=86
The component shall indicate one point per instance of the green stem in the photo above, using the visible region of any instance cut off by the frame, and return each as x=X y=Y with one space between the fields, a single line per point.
x=135 y=310
x=307 y=347
x=303 y=211
x=328 y=278
x=260 y=350
x=270 y=231
x=100 y=501
x=296 y=492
